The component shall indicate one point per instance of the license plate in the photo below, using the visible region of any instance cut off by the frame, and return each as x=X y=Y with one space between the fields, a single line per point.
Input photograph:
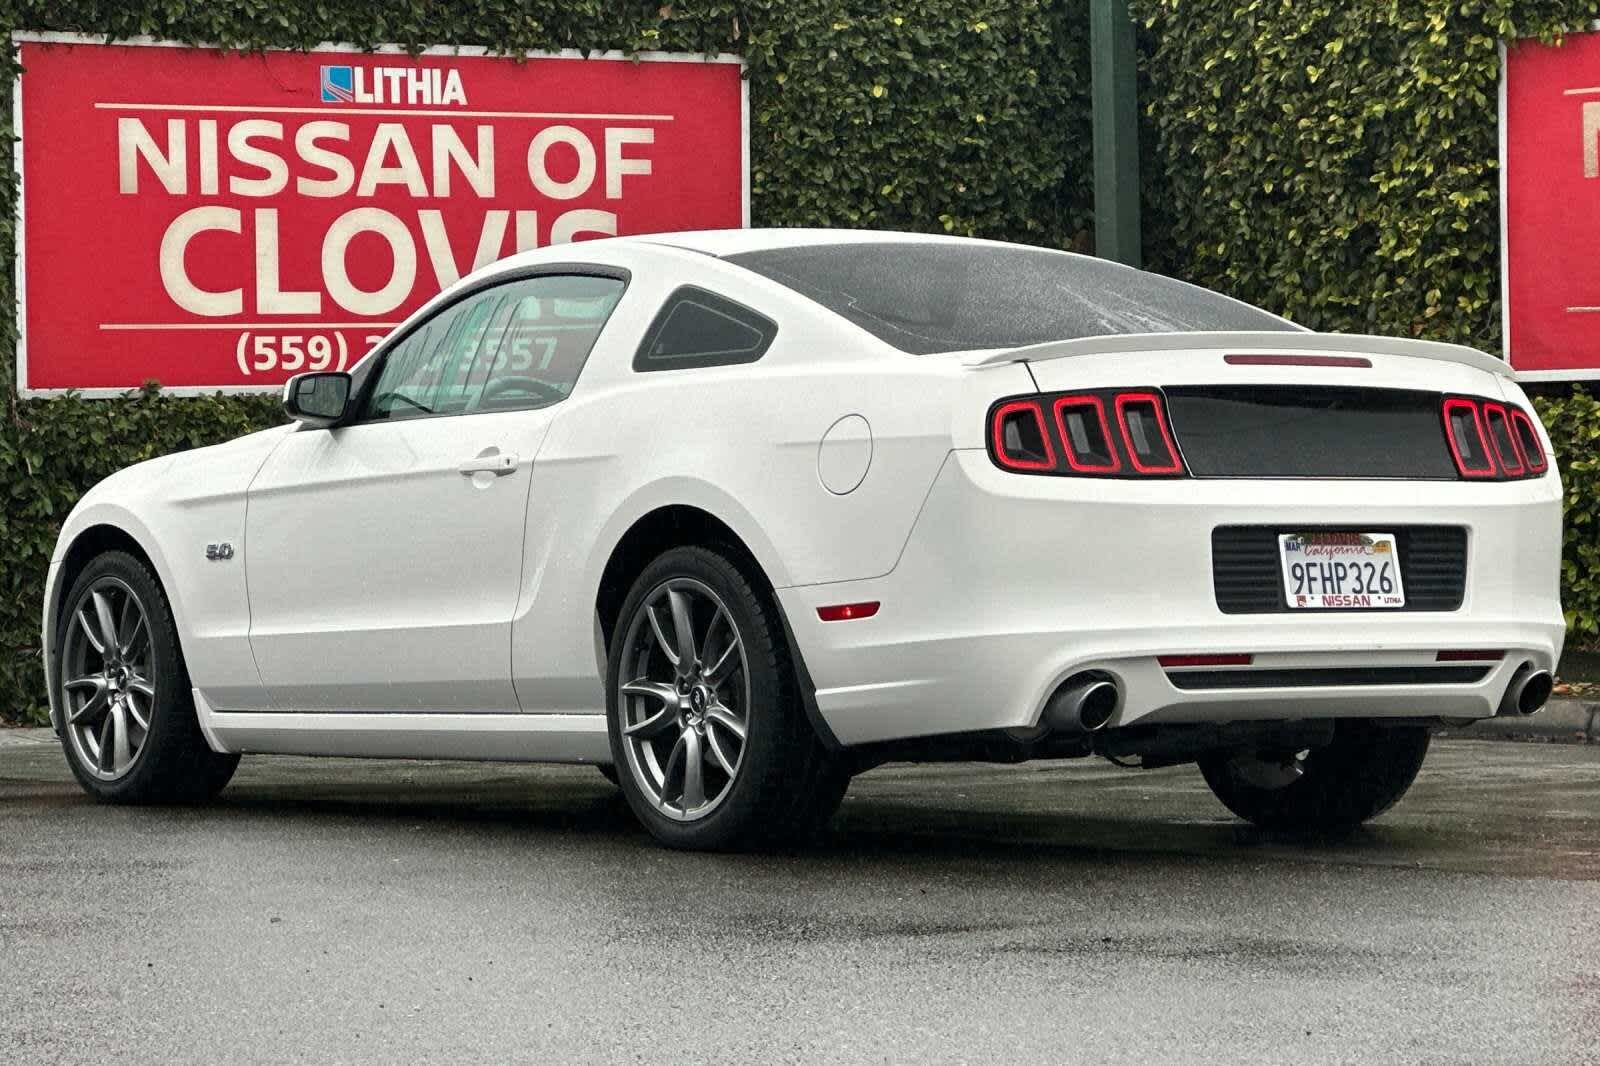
x=1334 y=571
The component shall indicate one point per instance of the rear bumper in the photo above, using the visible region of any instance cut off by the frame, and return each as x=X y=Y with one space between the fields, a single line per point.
x=1010 y=584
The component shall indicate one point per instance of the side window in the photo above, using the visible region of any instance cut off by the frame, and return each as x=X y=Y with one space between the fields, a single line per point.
x=542 y=341
x=520 y=344
x=696 y=328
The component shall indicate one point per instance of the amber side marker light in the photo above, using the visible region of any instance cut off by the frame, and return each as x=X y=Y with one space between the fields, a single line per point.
x=845 y=612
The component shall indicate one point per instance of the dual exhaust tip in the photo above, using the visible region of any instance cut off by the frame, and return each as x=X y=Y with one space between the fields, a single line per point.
x=1083 y=703
x=1529 y=691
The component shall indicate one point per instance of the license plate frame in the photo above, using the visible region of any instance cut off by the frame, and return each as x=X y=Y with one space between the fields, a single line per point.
x=1341 y=570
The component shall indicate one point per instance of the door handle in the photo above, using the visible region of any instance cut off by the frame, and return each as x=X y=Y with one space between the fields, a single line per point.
x=491 y=461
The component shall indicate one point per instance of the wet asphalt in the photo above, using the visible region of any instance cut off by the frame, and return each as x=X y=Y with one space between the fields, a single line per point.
x=354 y=912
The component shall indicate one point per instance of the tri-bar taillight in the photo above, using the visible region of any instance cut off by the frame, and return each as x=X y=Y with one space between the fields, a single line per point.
x=1128 y=433
x=1121 y=433
x=1491 y=440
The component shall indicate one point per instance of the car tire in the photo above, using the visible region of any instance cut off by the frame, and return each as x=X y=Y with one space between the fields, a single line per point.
x=141 y=741
x=1361 y=774
x=785 y=783
x=608 y=772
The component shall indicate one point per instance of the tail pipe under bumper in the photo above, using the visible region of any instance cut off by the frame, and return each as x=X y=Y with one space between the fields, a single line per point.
x=1528 y=692
x=1083 y=703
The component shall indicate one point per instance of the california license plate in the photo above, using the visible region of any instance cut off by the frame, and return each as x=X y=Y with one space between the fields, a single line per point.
x=1341 y=570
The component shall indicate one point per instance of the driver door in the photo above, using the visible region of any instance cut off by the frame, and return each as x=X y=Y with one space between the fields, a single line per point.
x=384 y=556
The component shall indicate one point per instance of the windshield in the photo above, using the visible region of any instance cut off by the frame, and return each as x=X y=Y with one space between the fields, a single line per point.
x=925 y=297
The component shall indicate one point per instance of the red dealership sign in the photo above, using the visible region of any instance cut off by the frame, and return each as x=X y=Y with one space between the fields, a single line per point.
x=209 y=219
x=1550 y=174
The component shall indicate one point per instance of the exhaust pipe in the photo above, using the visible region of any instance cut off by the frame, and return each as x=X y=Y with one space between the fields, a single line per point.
x=1084 y=703
x=1528 y=692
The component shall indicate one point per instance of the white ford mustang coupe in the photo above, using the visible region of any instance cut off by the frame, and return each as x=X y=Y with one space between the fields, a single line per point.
x=737 y=515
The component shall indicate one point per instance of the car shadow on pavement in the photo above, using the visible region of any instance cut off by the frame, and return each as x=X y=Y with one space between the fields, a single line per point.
x=869 y=828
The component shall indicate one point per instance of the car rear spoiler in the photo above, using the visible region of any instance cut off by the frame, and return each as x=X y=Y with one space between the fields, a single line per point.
x=1284 y=342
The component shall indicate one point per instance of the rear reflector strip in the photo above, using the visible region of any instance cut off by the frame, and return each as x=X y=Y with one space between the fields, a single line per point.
x=845 y=612
x=1297 y=360
x=1467 y=655
x=1179 y=662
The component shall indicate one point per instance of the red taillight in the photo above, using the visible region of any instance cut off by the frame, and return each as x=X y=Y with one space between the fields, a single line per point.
x=1019 y=438
x=1143 y=421
x=1528 y=438
x=1171 y=662
x=1467 y=655
x=845 y=612
x=1491 y=440
x=1086 y=435
x=1469 y=445
x=1120 y=433
x=1498 y=425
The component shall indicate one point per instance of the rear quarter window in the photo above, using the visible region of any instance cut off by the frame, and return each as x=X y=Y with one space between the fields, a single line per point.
x=698 y=328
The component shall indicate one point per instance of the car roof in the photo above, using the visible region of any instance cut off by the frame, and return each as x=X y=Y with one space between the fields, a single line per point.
x=724 y=242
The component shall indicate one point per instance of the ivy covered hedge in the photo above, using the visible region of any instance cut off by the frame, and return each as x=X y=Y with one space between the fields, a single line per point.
x=969 y=117
x=1337 y=160
x=1574 y=424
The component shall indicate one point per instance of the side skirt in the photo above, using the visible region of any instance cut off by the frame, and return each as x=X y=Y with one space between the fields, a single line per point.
x=569 y=738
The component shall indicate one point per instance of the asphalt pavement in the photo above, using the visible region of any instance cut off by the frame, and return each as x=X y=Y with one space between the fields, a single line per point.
x=341 y=911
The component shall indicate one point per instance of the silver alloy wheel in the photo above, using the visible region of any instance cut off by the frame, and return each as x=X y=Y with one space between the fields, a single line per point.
x=107 y=695
x=685 y=708
x=1271 y=771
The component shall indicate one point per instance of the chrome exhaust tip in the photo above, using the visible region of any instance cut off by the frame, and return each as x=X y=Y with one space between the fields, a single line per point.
x=1083 y=703
x=1528 y=692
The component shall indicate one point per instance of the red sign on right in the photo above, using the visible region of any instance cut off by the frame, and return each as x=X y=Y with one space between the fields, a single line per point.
x=1550 y=174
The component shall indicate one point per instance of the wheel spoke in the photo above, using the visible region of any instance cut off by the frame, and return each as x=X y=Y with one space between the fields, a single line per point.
x=133 y=633
x=726 y=719
x=97 y=698
x=717 y=753
x=658 y=723
x=142 y=686
x=108 y=628
x=694 y=782
x=104 y=742
x=653 y=726
x=138 y=716
x=683 y=627
x=661 y=637
x=711 y=629
x=673 y=764
x=121 y=749
x=714 y=673
x=88 y=631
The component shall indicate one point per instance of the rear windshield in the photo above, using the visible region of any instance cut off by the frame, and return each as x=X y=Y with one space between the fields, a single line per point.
x=926 y=297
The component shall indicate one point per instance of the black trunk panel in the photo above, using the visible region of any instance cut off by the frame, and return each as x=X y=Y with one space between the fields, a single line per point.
x=1268 y=431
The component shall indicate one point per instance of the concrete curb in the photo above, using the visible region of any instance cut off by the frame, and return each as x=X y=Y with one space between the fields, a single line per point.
x=26 y=737
x=1562 y=721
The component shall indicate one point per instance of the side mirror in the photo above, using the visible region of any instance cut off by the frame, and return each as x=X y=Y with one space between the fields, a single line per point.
x=317 y=399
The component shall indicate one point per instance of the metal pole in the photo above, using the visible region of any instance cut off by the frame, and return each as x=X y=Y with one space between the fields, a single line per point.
x=1114 y=75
